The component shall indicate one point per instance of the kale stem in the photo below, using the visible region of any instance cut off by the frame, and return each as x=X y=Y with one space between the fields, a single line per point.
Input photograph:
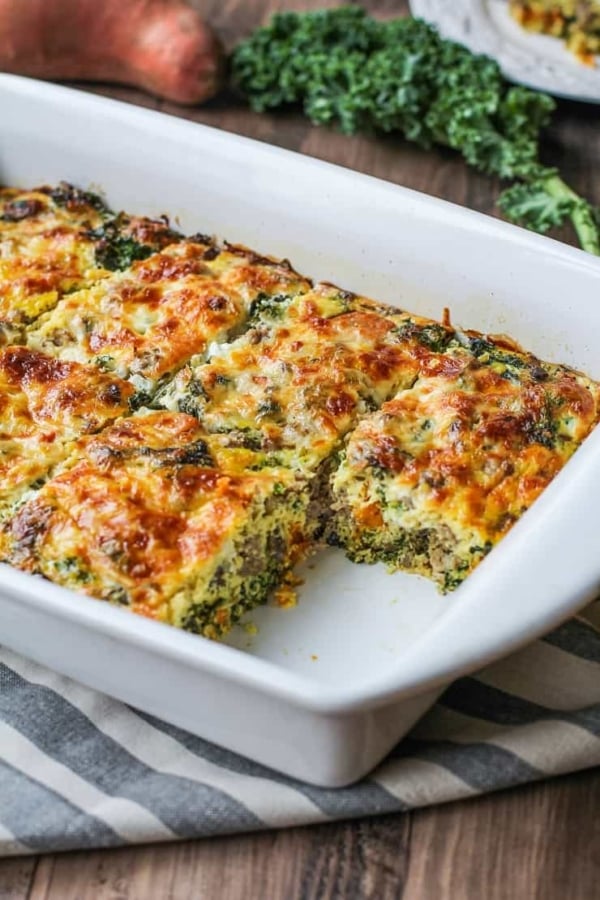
x=581 y=214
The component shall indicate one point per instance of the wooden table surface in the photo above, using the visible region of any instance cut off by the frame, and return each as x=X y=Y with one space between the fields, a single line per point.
x=541 y=842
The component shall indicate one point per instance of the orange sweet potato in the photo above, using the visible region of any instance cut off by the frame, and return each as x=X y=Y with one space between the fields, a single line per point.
x=162 y=46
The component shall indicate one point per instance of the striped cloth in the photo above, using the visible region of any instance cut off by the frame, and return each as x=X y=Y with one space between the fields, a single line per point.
x=78 y=769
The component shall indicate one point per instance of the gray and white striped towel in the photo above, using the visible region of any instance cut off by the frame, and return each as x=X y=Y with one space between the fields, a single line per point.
x=78 y=769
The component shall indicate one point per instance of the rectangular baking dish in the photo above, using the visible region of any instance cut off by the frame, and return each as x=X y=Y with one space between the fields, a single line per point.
x=323 y=691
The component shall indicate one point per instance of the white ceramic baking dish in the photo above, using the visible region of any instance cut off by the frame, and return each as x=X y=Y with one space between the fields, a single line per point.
x=324 y=690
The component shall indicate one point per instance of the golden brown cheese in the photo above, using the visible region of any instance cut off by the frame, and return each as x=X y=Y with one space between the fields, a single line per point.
x=57 y=240
x=436 y=477
x=300 y=377
x=44 y=406
x=145 y=518
x=150 y=320
x=43 y=253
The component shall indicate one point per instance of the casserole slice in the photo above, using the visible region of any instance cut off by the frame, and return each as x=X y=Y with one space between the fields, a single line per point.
x=431 y=481
x=45 y=406
x=145 y=516
x=300 y=377
x=57 y=240
x=147 y=322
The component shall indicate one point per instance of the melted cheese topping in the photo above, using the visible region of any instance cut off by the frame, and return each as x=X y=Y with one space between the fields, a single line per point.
x=143 y=516
x=468 y=448
x=43 y=252
x=300 y=377
x=150 y=320
x=51 y=243
x=44 y=406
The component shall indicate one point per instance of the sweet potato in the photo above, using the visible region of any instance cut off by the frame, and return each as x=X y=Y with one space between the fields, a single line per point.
x=162 y=46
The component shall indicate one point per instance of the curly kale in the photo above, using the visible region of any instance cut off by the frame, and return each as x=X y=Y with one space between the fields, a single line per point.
x=347 y=69
x=546 y=201
x=116 y=250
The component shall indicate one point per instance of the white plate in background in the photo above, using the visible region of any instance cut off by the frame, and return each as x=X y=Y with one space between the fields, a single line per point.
x=539 y=61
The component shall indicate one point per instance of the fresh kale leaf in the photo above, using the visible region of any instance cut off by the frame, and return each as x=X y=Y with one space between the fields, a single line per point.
x=344 y=68
x=530 y=205
x=114 y=249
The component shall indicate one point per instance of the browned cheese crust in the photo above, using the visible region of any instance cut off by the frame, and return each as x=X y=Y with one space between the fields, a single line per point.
x=45 y=405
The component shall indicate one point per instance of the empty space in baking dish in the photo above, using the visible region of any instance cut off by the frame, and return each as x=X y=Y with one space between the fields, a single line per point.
x=350 y=620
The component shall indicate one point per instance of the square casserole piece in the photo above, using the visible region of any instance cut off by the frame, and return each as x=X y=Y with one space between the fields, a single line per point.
x=146 y=322
x=45 y=406
x=304 y=372
x=55 y=240
x=431 y=481
x=147 y=516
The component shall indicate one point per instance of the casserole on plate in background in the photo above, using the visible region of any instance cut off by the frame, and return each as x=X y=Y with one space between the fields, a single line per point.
x=324 y=690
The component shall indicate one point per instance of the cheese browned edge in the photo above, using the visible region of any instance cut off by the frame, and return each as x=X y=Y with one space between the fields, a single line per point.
x=145 y=517
x=433 y=480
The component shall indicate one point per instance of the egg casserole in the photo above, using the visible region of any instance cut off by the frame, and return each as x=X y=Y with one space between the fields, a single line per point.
x=147 y=516
x=432 y=480
x=57 y=240
x=577 y=22
x=185 y=420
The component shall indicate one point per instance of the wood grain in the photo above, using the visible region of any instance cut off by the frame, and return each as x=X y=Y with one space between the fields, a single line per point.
x=541 y=842
x=365 y=859
x=16 y=877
